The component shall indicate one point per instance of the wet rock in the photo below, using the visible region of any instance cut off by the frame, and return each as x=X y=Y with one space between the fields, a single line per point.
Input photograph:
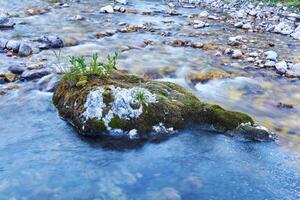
x=180 y=43
x=24 y=50
x=239 y=24
x=17 y=69
x=3 y=43
x=271 y=55
x=8 y=77
x=293 y=71
x=197 y=45
x=34 y=74
x=11 y=86
x=199 y=24
x=49 y=42
x=124 y=2
x=107 y=9
x=247 y=26
x=124 y=102
x=48 y=83
x=285 y=106
x=270 y=63
x=236 y=54
x=207 y=75
x=37 y=11
x=283 y=28
x=13 y=45
x=77 y=18
x=296 y=33
x=69 y=42
x=281 y=67
x=204 y=14
x=258 y=133
x=5 y=22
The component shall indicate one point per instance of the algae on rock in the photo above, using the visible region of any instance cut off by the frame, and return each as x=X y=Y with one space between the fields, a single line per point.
x=132 y=106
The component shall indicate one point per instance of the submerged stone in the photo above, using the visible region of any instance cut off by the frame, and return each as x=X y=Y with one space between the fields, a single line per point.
x=138 y=108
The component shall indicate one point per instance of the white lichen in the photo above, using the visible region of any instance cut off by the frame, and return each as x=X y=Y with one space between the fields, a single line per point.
x=94 y=104
x=125 y=98
x=161 y=129
x=126 y=106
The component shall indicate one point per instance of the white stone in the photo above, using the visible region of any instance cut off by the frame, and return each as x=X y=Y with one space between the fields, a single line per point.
x=124 y=2
x=294 y=70
x=107 y=9
x=271 y=55
x=296 y=33
x=281 y=66
x=237 y=54
x=283 y=28
x=203 y=14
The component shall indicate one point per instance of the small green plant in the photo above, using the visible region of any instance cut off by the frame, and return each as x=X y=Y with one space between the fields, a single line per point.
x=79 y=67
x=142 y=97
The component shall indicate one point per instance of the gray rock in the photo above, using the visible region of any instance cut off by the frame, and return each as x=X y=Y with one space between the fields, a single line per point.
x=13 y=45
x=236 y=54
x=293 y=71
x=204 y=14
x=50 y=42
x=283 y=28
x=5 y=22
x=271 y=55
x=16 y=69
x=296 y=33
x=270 y=63
x=124 y=2
x=3 y=43
x=24 y=50
x=34 y=74
x=48 y=83
x=239 y=24
x=281 y=67
x=247 y=26
x=107 y=9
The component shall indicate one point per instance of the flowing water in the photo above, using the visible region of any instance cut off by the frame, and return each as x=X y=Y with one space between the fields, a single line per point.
x=41 y=157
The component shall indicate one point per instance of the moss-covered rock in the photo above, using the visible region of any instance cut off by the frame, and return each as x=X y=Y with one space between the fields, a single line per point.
x=128 y=105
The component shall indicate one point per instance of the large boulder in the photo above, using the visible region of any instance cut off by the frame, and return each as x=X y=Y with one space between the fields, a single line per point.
x=135 y=107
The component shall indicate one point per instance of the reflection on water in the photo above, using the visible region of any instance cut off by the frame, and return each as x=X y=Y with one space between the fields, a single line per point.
x=41 y=157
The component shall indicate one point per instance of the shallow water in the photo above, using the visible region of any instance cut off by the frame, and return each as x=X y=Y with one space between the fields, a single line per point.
x=41 y=157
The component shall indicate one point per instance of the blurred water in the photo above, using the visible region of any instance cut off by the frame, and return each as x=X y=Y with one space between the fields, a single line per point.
x=41 y=157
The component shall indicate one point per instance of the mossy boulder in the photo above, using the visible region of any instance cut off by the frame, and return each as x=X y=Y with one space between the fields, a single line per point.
x=135 y=107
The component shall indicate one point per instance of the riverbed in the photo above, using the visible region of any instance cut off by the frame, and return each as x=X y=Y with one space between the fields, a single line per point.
x=42 y=157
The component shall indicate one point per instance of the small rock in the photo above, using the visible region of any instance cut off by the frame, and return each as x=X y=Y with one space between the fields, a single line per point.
x=51 y=42
x=197 y=45
x=293 y=71
x=11 y=86
x=271 y=55
x=296 y=33
x=283 y=105
x=239 y=24
x=107 y=9
x=5 y=22
x=281 y=67
x=228 y=51
x=236 y=54
x=8 y=77
x=69 y=42
x=124 y=2
x=247 y=26
x=37 y=11
x=24 y=50
x=77 y=18
x=270 y=63
x=34 y=74
x=13 y=45
x=3 y=43
x=204 y=14
x=16 y=69
x=283 y=28
x=48 y=83
x=250 y=59
x=253 y=54
x=199 y=24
